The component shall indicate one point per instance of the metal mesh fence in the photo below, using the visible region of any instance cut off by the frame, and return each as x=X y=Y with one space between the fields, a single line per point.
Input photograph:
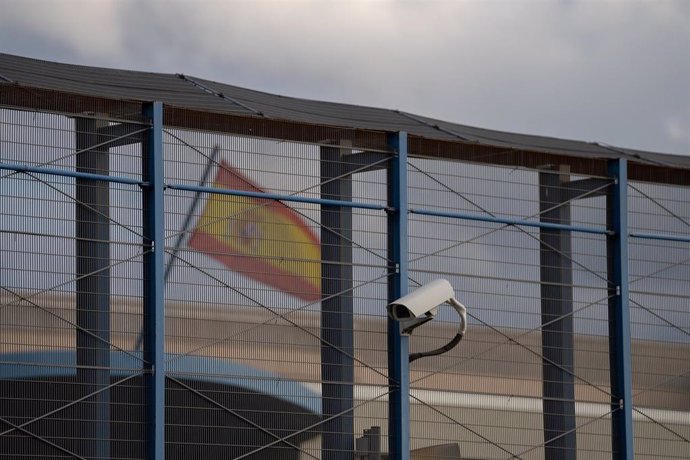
x=71 y=296
x=660 y=320
x=536 y=363
x=245 y=287
x=277 y=267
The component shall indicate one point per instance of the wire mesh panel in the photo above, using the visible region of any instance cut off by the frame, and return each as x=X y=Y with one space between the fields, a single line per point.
x=71 y=291
x=278 y=268
x=533 y=370
x=277 y=303
x=660 y=320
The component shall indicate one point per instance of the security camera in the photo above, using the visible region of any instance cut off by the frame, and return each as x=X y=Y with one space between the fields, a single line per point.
x=422 y=302
x=420 y=306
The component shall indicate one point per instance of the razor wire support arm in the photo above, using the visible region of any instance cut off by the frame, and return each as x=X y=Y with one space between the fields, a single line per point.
x=398 y=343
x=153 y=215
x=462 y=312
x=620 y=360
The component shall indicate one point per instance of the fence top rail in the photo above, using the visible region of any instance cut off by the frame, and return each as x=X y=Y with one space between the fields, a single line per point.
x=193 y=102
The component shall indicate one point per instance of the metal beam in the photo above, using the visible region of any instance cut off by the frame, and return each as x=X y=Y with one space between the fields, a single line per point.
x=333 y=202
x=398 y=344
x=92 y=232
x=122 y=134
x=557 y=336
x=620 y=360
x=337 y=366
x=67 y=173
x=366 y=161
x=660 y=237
x=584 y=188
x=154 y=287
x=507 y=221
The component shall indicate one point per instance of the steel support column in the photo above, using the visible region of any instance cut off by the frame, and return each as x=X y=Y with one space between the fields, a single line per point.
x=154 y=316
x=92 y=231
x=557 y=336
x=337 y=371
x=619 y=314
x=398 y=344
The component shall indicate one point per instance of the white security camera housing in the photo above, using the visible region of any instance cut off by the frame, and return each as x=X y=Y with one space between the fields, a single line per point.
x=422 y=302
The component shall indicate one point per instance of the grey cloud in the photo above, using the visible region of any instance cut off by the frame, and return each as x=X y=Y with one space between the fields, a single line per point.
x=614 y=72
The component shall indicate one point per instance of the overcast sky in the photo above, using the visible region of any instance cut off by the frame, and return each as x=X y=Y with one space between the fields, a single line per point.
x=616 y=72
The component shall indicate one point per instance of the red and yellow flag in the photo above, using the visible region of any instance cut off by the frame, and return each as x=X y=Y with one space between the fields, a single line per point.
x=263 y=239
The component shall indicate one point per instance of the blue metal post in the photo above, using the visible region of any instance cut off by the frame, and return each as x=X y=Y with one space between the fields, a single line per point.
x=154 y=326
x=619 y=314
x=398 y=344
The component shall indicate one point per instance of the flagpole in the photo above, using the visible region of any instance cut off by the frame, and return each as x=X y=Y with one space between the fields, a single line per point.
x=185 y=226
x=188 y=219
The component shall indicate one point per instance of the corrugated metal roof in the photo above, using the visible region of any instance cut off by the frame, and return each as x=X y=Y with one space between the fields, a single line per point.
x=195 y=93
x=111 y=83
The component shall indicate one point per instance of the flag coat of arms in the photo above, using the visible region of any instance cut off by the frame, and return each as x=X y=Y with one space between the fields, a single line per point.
x=262 y=239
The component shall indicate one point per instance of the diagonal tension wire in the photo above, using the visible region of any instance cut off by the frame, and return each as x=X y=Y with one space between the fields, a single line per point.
x=71 y=403
x=513 y=340
x=352 y=409
x=346 y=411
x=282 y=316
x=544 y=359
x=457 y=422
x=43 y=291
x=276 y=316
x=656 y=202
x=660 y=384
x=80 y=203
x=75 y=325
x=561 y=253
x=311 y=187
x=572 y=430
x=273 y=312
x=236 y=414
x=663 y=269
x=460 y=195
x=42 y=439
x=314 y=425
x=656 y=315
x=88 y=149
x=660 y=424
x=509 y=340
x=267 y=203
x=72 y=280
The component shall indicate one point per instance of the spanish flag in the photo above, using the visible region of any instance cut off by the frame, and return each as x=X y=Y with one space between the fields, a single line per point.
x=263 y=239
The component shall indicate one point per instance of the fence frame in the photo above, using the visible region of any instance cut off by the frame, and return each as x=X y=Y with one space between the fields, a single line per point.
x=153 y=186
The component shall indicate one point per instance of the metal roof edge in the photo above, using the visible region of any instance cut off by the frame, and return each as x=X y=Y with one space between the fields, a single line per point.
x=448 y=132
